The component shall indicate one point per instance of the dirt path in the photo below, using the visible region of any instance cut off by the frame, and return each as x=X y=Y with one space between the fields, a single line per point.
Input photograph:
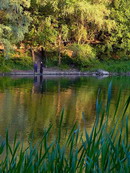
x=46 y=71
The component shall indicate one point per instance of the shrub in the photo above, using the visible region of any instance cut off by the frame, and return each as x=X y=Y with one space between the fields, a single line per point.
x=21 y=63
x=83 y=55
x=1 y=60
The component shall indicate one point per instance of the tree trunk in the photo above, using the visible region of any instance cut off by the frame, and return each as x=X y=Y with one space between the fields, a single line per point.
x=59 y=58
x=33 y=54
x=45 y=57
x=44 y=54
x=59 y=49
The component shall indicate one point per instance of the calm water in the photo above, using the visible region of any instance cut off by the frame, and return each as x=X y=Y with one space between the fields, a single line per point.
x=31 y=104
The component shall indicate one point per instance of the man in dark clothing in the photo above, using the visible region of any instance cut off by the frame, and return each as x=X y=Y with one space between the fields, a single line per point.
x=35 y=67
x=41 y=68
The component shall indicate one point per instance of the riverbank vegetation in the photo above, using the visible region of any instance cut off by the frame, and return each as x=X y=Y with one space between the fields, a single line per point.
x=26 y=63
x=21 y=63
x=104 y=149
x=73 y=33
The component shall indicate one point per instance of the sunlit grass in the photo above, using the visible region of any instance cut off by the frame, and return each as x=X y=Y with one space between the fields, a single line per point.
x=114 y=66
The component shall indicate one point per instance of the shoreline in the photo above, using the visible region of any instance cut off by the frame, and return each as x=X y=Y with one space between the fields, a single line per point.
x=65 y=73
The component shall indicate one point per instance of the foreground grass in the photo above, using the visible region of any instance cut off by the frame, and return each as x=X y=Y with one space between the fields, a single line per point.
x=103 y=150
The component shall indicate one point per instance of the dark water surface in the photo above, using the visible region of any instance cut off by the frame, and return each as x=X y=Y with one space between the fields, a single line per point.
x=31 y=104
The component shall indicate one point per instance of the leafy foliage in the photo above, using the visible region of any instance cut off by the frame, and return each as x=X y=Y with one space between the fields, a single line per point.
x=14 y=21
x=57 y=24
x=117 y=43
x=83 y=55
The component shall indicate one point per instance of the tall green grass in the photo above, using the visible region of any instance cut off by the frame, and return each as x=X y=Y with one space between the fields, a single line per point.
x=104 y=149
x=114 y=66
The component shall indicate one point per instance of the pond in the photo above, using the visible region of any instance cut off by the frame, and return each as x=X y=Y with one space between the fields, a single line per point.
x=33 y=103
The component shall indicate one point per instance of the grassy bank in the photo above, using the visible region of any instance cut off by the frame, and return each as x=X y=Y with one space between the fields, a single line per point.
x=104 y=149
x=112 y=66
x=21 y=63
x=25 y=63
x=120 y=66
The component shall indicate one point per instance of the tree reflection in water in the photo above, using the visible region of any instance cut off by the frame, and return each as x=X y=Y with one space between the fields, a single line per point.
x=31 y=104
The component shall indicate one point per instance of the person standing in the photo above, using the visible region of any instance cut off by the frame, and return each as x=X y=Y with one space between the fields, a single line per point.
x=35 y=67
x=41 y=68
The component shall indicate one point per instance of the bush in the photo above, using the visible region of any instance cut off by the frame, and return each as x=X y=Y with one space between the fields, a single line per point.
x=25 y=61
x=83 y=55
x=21 y=63
x=1 y=60
x=51 y=61
x=3 y=66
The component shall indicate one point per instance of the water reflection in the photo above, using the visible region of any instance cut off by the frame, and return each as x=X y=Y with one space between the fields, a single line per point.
x=38 y=83
x=31 y=104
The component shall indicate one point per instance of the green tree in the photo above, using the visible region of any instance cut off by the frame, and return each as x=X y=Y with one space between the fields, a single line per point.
x=14 y=21
x=116 y=44
x=70 y=21
x=121 y=37
x=101 y=24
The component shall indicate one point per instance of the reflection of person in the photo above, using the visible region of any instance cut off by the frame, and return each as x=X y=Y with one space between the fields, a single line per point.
x=35 y=67
x=35 y=79
x=41 y=78
x=41 y=68
x=38 y=84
